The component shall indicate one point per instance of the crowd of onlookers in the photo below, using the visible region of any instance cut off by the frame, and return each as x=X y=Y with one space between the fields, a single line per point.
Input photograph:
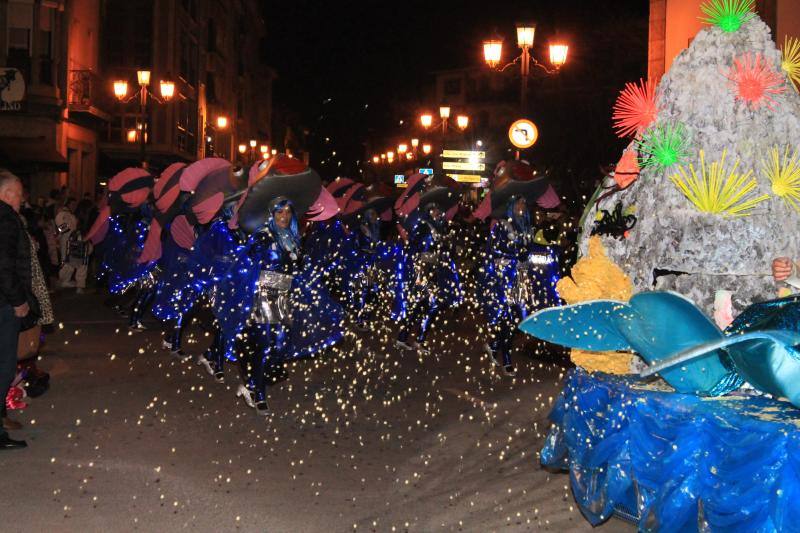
x=42 y=248
x=58 y=223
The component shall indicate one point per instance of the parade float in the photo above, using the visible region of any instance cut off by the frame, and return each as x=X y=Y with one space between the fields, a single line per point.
x=683 y=411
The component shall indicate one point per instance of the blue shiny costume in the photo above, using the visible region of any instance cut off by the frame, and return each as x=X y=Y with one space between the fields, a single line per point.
x=518 y=277
x=362 y=254
x=175 y=293
x=316 y=321
x=212 y=257
x=121 y=249
x=324 y=246
x=427 y=278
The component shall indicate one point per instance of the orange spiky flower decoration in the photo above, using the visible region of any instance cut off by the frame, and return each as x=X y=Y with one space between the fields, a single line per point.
x=755 y=81
x=635 y=109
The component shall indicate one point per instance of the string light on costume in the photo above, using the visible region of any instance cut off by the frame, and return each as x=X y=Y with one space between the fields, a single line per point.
x=635 y=108
x=663 y=145
x=755 y=81
x=790 y=60
x=717 y=191
x=783 y=172
x=727 y=15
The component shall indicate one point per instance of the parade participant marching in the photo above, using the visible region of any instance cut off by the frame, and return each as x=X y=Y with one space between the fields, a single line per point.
x=122 y=227
x=167 y=245
x=187 y=199
x=430 y=278
x=519 y=274
x=271 y=298
x=212 y=256
x=365 y=250
x=209 y=209
x=326 y=241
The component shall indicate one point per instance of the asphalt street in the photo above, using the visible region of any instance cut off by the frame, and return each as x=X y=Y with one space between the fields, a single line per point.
x=364 y=438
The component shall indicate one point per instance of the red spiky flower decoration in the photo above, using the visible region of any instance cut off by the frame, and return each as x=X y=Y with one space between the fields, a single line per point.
x=635 y=109
x=755 y=81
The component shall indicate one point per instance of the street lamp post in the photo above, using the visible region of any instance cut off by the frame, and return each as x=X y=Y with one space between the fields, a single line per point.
x=253 y=144
x=167 y=89
x=444 y=114
x=493 y=51
x=220 y=124
x=426 y=120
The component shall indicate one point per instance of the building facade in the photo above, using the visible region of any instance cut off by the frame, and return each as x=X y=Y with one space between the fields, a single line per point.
x=674 y=23
x=211 y=50
x=33 y=87
x=60 y=123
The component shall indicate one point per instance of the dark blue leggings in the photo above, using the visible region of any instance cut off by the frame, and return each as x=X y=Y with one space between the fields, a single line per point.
x=421 y=315
x=504 y=330
x=263 y=346
x=140 y=305
x=216 y=352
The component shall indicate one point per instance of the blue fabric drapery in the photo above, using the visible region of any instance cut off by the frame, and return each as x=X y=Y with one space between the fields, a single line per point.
x=679 y=461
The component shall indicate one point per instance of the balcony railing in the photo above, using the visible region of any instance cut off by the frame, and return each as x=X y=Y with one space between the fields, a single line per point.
x=87 y=94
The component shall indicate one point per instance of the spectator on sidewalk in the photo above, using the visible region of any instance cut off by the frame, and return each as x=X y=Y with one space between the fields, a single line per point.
x=15 y=290
x=76 y=262
x=66 y=222
x=74 y=251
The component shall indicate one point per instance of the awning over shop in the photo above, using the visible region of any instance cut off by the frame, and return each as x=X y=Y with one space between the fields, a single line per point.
x=30 y=154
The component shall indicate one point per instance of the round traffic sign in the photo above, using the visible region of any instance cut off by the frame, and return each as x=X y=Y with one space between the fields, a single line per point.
x=523 y=133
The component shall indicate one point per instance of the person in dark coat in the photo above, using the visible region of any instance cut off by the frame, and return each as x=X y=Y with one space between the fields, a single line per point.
x=15 y=276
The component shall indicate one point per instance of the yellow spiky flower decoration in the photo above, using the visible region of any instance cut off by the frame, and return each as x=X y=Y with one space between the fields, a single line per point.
x=784 y=175
x=716 y=190
x=790 y=59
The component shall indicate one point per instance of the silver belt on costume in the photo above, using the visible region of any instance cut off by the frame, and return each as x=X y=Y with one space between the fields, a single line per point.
x=272 y=304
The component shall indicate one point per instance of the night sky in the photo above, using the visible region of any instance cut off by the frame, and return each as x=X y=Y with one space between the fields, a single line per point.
x=341 y=64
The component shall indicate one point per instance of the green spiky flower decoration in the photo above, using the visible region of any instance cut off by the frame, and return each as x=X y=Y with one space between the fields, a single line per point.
x=727 y=15
x=790 y=59
x=717 y=190
x=663 y=145
x=783 y=172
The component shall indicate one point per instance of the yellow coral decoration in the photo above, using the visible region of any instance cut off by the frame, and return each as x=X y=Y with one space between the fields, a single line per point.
x=608 y=362
x=596 y=277
x=716 y=190
x=790 y=60
x=784 y=175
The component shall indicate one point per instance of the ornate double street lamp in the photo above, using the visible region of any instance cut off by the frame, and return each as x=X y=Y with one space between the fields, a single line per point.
x=426 y=120
x=167 y=89
x=493 y=52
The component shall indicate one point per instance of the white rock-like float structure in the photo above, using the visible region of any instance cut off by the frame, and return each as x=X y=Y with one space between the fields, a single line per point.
x=715 y=252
